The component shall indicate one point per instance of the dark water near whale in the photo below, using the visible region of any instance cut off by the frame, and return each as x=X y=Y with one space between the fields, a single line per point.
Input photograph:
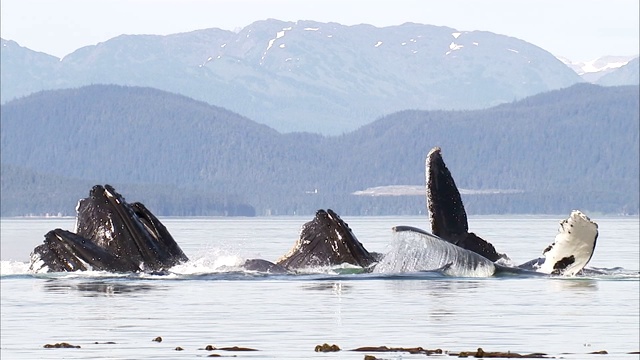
x=284 y=317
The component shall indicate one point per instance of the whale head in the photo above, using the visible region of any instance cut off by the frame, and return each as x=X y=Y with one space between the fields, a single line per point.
x=326 y=241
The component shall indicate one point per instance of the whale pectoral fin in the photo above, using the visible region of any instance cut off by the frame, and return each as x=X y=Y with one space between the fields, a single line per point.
x=446 y=210
x=63 y=250
x=326 y=241
x=480 y=246
x=573 y=246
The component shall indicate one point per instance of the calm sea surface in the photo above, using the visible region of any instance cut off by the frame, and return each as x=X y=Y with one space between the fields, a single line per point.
x=284 y=317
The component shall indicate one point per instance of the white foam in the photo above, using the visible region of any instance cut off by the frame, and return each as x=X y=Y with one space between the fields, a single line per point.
x=9 y=267
x=413 y=252
x=214 y=261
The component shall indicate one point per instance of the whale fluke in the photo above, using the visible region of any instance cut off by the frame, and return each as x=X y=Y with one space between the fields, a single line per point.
x=326 y=241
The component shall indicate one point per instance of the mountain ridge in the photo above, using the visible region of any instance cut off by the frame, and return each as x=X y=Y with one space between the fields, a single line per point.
x=307 y=76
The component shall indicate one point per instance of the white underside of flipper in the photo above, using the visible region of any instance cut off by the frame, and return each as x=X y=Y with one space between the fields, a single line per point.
x=573 y=246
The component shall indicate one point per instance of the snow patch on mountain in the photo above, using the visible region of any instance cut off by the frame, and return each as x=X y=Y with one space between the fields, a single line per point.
x=593 y=70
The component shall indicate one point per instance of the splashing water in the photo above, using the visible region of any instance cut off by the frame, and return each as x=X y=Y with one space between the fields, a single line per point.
x=412 y=251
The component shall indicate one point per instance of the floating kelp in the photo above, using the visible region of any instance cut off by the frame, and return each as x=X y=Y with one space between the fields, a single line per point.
x=62 y=345
x=480 y=353
x=228 y=348
x=414 y=350
x=327 y=348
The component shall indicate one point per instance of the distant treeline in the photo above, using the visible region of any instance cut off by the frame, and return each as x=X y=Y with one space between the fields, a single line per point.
x=572 y=148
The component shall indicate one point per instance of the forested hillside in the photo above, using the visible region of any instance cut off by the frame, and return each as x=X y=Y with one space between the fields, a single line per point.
x=571 y=148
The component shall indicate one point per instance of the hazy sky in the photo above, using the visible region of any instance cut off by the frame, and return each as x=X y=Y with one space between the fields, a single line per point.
x=580 y=30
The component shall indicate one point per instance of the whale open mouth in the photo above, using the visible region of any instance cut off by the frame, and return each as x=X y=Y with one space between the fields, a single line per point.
x=110 y=234
x=327 y=241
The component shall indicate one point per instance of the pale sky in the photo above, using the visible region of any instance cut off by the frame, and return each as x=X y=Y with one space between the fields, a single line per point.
x=580 y=30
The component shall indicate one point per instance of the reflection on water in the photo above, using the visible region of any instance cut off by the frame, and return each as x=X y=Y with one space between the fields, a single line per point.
x=575 y=284
x=337 y=287
x=97 y=288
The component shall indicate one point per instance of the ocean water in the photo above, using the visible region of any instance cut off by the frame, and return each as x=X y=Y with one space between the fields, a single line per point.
x=209 y=302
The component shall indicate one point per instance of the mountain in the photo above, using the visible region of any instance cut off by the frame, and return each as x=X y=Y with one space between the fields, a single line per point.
x=549 y=153
x=305 y=76
x=24 y=71
x=593 y=71
x=628 y=74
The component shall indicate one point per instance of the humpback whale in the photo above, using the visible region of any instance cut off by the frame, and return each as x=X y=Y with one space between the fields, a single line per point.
x=326 y=241
x=113 y=235
x=110 y=235
x=567 y=255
